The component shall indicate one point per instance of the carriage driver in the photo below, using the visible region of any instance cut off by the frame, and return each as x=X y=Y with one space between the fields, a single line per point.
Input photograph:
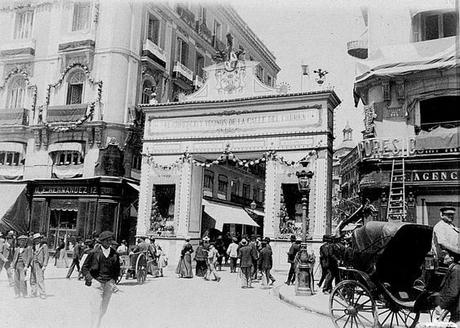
x=446 y=246
x=446 y=236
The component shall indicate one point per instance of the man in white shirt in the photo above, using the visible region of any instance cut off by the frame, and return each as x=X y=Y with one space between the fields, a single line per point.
x=446 y=236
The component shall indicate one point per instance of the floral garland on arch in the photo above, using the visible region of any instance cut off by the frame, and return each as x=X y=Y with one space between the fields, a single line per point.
x=92 y=105
x=16 y=71
x=227 y=155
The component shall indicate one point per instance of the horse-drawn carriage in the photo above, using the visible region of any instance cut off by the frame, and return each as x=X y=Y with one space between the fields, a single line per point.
x=134 y=266
x=387 y=284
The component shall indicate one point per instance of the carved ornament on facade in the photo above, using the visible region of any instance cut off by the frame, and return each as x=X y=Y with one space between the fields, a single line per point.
x=369 y=117
x=386 y=90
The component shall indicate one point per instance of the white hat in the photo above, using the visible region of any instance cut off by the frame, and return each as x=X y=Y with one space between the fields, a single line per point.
x=36 y=235
x=206 y=238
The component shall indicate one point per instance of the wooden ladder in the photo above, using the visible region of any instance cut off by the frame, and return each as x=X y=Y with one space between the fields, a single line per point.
x=397 y=199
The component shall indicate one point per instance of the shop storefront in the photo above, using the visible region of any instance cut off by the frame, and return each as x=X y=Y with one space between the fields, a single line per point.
x=67 y=209
x=432 y=173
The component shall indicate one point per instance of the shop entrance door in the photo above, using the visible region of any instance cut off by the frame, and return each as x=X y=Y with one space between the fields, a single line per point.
x=63 y=223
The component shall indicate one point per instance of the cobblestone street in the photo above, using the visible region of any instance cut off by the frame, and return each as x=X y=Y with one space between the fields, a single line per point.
x=161 y=302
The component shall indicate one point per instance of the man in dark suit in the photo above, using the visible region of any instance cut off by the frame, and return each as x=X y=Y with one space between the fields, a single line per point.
x=76 y=257
x=101 y=269
x=293 y=250
x=21 y=261
x=247 y=255
x=266 y=262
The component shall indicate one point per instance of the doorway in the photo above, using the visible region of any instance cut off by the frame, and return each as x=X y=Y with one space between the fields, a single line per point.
x=63 y=226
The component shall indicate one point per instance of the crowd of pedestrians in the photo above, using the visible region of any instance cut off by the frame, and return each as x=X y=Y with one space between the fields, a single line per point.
x=251 y=255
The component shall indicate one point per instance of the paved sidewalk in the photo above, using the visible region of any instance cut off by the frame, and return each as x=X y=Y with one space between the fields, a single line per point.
x=317 y=303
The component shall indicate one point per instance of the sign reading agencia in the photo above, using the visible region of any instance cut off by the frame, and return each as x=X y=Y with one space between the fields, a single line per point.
x=389 y=147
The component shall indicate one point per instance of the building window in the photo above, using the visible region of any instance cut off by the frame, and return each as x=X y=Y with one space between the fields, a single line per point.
x=147 y=89
x=81 y=13
x=75 y=87
x=260 y=73
x=153 y=31
x=199 y=65
x=217 y=30
x=223 y=184
x=16 y=93
x=182 y=51
x=430 y=26
x=208 y=179
x=269 y=80
x=255 y=194
x=10 y=158
x=431 y=117
x=203 y=15
x=136 y=162
x=235 y=187
x=67 y=157
x=246 y=191
x=23 y=26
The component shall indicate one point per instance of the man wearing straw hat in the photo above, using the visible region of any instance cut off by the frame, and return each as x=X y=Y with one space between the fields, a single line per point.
x=38 y=265
x=21 y=261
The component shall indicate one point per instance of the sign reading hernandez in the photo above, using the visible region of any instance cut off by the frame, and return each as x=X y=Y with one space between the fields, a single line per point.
x=390 y=147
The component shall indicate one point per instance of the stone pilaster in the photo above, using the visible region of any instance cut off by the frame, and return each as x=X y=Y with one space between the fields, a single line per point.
x=272 y=199
x=145 y=198
x=184 y=200
x=318 y=198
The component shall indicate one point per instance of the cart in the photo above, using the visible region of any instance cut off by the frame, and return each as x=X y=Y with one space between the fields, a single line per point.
x=383 y=287
x=134 y=266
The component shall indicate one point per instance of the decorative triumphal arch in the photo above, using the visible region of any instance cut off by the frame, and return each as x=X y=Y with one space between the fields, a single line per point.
x=233 y=115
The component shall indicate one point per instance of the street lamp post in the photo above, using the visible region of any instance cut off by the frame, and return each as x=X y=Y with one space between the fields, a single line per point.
x=304 y=259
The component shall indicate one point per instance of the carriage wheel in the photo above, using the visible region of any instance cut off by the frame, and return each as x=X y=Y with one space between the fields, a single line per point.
x=351 y=305
x=390 y=317
x=141 y=269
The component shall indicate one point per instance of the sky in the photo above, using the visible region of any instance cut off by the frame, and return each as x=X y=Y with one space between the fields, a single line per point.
x=314 y=33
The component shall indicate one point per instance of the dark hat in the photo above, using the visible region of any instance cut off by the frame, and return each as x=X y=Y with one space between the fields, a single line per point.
x=23 y=237
x=293 y=237
x=447 y=210
x=105 y=235
x=267 y=239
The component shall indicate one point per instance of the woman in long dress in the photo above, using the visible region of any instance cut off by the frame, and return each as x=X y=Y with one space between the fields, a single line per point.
x=62 y=260
x=184 y=267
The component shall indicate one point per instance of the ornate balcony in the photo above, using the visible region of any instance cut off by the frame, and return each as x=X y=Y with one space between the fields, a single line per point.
x=151 y=49
x=66 y=113
x=183 y=70
x=186 y=15
x=15 y=116
x=358 y=49
x=24 y=49
x=205 y=32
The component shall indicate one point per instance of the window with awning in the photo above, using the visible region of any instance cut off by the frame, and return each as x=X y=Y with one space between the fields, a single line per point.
x=223 y=213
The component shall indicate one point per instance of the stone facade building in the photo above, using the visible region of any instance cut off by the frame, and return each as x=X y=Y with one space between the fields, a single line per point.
x=72 y=75
x=408 y=81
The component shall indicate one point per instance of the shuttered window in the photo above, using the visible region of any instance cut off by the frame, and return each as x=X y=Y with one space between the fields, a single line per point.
x=23 y=25
x=81 y=13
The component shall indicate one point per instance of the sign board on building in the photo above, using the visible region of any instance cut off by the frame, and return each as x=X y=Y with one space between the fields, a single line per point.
x=389 y=147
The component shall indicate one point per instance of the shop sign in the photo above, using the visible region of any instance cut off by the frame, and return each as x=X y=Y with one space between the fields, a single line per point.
x=81 y=190
x=384 y=148
x=434 y=176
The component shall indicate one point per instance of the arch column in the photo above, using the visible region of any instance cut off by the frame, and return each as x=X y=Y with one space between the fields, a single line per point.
x=272 y=198
x=145 y=202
